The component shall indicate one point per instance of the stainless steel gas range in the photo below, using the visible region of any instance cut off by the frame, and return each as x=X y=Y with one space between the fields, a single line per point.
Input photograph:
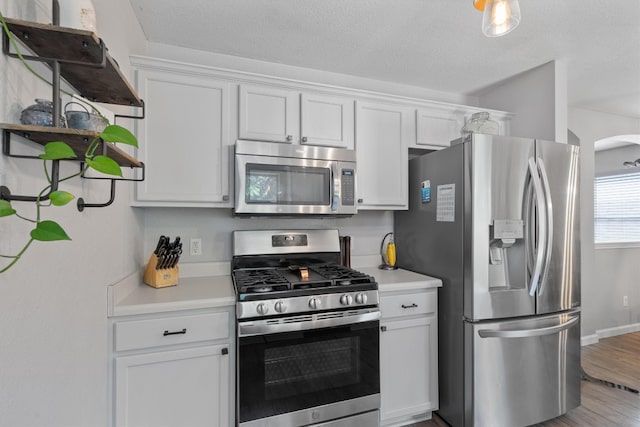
x=308 y=341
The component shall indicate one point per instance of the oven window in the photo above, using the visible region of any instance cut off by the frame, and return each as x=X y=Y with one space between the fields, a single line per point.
x=287 y=185
x=287 y=372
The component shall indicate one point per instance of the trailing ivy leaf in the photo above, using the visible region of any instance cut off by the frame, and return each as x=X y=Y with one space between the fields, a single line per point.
x=60 y=198
x=48 y=231
x=57 y=150
x=6 y=209
x=115 y=133
x=104 y=164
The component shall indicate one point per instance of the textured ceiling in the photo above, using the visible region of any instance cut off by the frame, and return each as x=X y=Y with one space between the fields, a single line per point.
x=436 y=44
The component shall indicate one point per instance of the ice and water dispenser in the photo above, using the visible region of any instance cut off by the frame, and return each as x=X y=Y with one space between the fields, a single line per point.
x=506 y=254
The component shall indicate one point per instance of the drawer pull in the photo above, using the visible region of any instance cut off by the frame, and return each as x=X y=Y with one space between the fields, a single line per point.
x=383 y=328
x=410 y=306
x=184 y=331
x=225 y=351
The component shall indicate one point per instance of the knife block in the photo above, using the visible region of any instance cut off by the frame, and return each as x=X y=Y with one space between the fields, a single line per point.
x=160 y=278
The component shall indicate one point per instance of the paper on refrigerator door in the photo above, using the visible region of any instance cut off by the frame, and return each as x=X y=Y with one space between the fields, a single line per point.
x=446 y=203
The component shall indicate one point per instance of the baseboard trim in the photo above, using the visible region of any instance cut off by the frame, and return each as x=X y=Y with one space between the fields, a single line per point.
x=609 y=332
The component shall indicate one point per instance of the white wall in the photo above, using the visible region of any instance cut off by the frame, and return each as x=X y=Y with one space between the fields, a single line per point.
x=53 y=339
x=537 y=97
x=214 y=226
x=610 y=162
x=607 y=274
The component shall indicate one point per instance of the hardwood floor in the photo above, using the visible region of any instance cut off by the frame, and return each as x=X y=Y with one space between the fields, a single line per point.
x=616 y=359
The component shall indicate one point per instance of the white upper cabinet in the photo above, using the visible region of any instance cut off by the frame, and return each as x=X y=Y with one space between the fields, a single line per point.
x=326 y=120
x=281 y=115
x=435 y=128
x=383 y=133
x=184 y=138
x=268 y=114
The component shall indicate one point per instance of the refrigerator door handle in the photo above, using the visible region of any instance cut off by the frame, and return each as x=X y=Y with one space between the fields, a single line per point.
x=526 y=333
x=549 y=215
x=542 y=226
x=529 y=226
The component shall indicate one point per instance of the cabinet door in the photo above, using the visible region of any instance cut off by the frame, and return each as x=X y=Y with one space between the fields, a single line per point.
x=408 y=368
x=382 y=155
x=436 y=128
x=326 y=120
x=188 y=387
x=184 y=139
x=268 y=114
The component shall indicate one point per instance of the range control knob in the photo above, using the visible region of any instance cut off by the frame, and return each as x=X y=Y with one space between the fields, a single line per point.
x=314 y=303
x=346 y=299
x=280 y=307
x=262 y=309
x=361 y=298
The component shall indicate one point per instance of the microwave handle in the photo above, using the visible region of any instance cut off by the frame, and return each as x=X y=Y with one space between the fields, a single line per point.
x=335 y=186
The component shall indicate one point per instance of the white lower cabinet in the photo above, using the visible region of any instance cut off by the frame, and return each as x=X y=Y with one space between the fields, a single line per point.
x=408 y=357
x=180 y=374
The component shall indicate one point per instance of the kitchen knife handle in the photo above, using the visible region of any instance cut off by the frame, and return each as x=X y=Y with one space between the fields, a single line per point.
x=183 y=331
x=161 y=243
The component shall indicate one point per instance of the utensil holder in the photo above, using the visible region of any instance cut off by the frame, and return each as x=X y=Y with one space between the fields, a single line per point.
x=160 y=278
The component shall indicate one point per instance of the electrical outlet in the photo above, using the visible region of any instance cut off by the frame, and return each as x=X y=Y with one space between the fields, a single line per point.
x=195 y=247
x=625 y=301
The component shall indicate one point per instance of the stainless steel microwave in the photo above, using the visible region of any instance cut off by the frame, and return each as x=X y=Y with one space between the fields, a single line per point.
x=283 y=179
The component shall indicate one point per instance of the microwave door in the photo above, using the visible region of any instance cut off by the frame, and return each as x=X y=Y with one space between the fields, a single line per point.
x=275 y=185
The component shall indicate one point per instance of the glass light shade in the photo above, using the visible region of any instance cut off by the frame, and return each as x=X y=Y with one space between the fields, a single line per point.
x=500 y=17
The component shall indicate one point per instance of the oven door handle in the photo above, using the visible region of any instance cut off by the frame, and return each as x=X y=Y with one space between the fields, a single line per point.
x=251 y=328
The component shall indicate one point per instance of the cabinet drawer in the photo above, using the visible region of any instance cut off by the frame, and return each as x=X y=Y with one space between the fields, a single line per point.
x=136 y=334
x=408 y=304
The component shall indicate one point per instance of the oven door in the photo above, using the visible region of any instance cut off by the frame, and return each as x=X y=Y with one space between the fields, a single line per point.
x=308 y=376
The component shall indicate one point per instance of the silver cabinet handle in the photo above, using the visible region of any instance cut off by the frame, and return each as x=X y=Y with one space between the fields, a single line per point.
x=526 y=333
x=304 y=139
x=225 y=198
x=414 y=305
x=289 y=138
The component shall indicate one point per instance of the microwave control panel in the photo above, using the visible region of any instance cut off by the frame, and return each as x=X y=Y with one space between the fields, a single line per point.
x=348 y=187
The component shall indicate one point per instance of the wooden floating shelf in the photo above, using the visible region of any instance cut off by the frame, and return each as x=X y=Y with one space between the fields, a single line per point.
x=77 y=139
x=97 y=83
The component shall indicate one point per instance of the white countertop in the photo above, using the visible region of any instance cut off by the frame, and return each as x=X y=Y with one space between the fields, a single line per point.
x=400 y=280
x=130 y=296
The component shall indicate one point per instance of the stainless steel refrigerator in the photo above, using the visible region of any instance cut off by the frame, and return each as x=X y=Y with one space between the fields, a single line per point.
x=496 y=218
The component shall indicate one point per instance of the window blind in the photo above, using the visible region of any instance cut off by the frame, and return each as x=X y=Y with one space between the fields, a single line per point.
x=617 y=208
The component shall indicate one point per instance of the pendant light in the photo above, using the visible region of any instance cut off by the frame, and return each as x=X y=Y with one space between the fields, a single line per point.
x=499 y=16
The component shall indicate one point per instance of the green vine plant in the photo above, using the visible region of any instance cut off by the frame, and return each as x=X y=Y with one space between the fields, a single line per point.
x=48 y=230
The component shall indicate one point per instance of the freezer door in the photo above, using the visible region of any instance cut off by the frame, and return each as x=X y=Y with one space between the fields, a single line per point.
x=559 y=287
x=496 y=282
x=521 y=372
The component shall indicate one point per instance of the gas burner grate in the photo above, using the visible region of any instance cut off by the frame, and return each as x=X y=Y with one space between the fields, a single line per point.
x=260 y=281
x=342 y=276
